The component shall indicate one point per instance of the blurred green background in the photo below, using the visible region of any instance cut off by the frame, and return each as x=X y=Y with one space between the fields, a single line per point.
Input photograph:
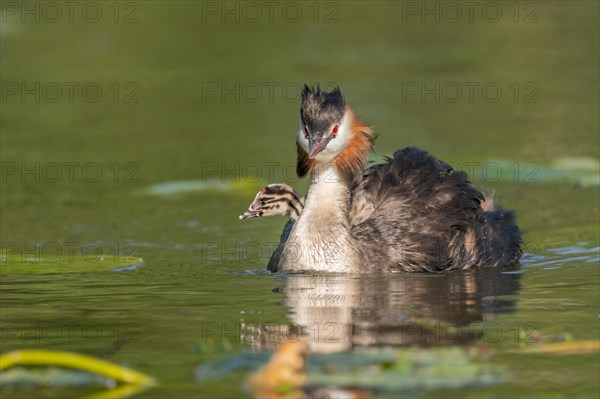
x=195 y=92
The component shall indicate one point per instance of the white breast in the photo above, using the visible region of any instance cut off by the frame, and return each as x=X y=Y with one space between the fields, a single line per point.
x=320 y=239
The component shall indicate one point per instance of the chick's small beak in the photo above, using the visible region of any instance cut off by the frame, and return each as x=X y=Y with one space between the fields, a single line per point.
x=249 y=214
x=317 y=147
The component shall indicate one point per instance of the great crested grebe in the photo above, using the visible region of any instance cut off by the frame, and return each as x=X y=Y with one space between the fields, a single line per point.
x=274 y=200
x=410 y=214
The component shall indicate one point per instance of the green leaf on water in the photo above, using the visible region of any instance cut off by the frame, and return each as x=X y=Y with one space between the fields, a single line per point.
x=68 y=369
x=413 y=369
x=388 y=370
x=583 y=172
x=19 y=263
x=193 y=186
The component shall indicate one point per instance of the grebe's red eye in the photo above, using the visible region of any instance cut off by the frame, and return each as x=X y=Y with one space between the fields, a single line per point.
x=335 y=129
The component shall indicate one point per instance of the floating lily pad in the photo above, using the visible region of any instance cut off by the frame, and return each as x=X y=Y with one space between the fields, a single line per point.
x=383 y=370
x=221 y=366
x=581 y=171
x=584 y=172
x=69 y=370
x=191 y=186
x=18 y=263
x=21 y=378
x=565 y=348
x=406 y=370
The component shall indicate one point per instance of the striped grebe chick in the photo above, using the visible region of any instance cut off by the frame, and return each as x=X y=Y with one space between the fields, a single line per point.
x=413 y=213
x=274 y=200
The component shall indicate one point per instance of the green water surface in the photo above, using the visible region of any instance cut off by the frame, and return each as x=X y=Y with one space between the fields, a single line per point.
x=209 y=100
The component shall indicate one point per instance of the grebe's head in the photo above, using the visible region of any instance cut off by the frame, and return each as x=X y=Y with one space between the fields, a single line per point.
x=273 y=200
x=329 y=133
x=323 y=126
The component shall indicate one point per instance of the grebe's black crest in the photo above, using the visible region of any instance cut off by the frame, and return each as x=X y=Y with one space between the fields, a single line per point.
x=321 y=109
x=330 y=134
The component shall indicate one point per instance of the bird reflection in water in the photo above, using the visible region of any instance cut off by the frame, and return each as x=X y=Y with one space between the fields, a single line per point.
x=342 y=312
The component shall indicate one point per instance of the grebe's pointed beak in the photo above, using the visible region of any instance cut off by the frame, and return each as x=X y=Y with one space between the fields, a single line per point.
x=316 y=148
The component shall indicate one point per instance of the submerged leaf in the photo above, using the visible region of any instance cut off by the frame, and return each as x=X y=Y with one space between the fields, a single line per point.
x=567 y=348
x=19 y=378
x=190 y=186
x=381 y=370
x=411 y=370
x=74 y=361
x=69 y=370
x=584 y=172
x=17 y=263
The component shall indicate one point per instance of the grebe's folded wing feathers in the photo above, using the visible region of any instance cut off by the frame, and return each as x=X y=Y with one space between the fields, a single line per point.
x=364 y=194
x=413 y=207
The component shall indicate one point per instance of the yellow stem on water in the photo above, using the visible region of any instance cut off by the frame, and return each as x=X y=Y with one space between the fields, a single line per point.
x=581 y=347
x=75 y=361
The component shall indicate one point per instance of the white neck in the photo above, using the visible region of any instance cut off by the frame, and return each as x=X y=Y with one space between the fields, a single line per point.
x=320 y=239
